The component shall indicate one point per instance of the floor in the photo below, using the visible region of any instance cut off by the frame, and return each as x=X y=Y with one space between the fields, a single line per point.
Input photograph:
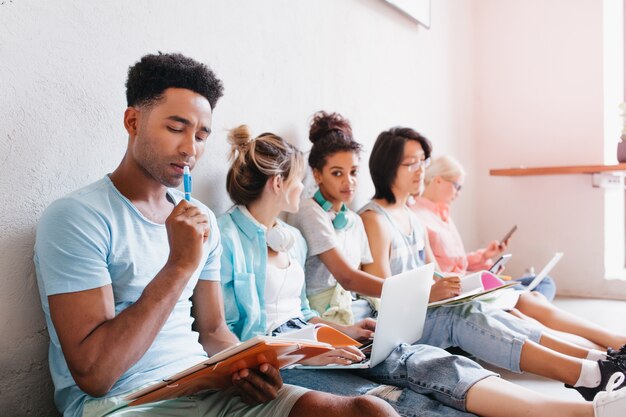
x=609 y=313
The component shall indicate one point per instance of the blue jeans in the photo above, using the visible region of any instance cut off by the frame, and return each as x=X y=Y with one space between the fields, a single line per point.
x=547 y=286
x=487 y=333
x=415 y=380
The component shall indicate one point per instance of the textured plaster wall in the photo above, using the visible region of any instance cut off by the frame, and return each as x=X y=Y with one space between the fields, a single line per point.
x=62 y=70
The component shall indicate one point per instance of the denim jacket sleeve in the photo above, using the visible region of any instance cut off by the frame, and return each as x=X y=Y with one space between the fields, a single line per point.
x=243 y=309
x=231 y=311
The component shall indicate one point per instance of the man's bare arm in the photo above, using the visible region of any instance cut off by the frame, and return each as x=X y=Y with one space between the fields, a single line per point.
x=208 y=311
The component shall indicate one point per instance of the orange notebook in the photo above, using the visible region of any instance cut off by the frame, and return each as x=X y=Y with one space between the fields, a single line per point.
x=215 y=373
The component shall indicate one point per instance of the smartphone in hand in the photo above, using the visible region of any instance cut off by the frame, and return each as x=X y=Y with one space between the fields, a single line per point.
x=499 y=264
x=508 y=235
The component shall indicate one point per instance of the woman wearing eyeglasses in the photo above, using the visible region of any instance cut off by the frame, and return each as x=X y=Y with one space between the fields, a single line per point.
x=398 y=242
x=442 y=182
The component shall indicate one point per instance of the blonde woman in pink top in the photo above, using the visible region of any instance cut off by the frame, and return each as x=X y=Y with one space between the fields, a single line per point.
x=445 y=240
x=442 y=183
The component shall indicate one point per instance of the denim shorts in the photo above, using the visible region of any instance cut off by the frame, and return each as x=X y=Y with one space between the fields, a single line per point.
x=290 y=325
x=415 y=380
x=489 y=334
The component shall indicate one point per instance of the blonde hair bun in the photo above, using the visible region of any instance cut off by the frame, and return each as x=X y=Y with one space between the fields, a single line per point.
x=255 y=160
x=239 y=136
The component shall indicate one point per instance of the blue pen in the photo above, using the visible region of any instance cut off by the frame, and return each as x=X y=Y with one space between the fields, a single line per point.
x=438 y=274
x=187 y=183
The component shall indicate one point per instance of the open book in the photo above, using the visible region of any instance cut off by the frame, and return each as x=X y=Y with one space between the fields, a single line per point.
x=475 y=285
x=321 y=333
x=215 y=373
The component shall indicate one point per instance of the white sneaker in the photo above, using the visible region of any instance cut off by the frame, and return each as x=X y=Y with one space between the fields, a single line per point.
x=611 y=403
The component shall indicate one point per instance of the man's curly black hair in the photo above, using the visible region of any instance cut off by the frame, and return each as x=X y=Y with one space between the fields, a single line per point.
x=153 y=74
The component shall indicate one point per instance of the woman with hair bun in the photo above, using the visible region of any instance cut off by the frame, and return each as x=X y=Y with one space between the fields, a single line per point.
x=335 y=235
x=262 y=258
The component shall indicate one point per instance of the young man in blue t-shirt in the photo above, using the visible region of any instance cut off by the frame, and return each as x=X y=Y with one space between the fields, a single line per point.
x=121 y=262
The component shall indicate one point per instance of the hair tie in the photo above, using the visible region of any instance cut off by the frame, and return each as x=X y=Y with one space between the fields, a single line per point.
x=245 y=144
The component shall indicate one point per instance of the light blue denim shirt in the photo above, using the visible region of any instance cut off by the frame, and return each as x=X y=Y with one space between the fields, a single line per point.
x=243 y=269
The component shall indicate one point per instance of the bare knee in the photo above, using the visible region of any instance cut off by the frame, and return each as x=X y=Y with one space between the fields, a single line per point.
x=369 y=405
x=315 y=403
x=536 y=297
x=531 y=303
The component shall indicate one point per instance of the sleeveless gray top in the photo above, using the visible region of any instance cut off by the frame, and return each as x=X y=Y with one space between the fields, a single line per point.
x=407 y=251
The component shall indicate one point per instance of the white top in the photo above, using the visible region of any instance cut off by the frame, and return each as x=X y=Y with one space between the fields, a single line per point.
x=283 y=287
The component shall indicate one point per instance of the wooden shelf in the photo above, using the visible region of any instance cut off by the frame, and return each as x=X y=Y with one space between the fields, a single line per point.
x=575 y=169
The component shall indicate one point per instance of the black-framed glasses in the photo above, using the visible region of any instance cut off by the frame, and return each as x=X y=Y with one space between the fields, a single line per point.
x=414 y=166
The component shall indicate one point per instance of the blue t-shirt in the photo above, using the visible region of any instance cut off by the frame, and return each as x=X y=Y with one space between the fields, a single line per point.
x=95 y=237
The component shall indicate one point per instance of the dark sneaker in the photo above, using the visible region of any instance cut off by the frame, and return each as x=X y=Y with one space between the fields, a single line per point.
x=607 y=368
x=611 y=353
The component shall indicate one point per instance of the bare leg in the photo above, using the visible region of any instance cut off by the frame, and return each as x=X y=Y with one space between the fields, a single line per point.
x=487 y=397
x=576 y=340
x=315 y=404
x=539 y=308
x=515 y=312
x=542 y=361
x=559 y=345
x=568 y=337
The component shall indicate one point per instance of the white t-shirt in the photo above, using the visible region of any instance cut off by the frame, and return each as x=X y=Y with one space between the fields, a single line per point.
x=283 y=287
x=317 y=228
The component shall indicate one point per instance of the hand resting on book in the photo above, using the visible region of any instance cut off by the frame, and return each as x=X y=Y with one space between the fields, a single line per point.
x=258 y=386
x=362 y=330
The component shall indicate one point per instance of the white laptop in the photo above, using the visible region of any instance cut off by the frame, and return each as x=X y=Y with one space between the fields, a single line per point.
x=545 y=271
x=401 y=317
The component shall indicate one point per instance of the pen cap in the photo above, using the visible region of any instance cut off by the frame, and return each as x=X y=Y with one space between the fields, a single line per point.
x=186 y=179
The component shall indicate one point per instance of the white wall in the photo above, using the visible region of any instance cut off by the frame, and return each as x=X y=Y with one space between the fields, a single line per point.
x=539 y=102
x=62 y=70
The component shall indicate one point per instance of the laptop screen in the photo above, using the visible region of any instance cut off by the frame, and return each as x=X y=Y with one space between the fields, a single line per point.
x=545 y=271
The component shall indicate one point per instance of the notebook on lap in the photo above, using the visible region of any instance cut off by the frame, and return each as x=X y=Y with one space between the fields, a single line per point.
x=506 y=300
x=401 y=317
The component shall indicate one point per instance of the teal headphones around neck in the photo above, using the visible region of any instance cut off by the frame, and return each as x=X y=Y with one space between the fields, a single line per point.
x=341 y=219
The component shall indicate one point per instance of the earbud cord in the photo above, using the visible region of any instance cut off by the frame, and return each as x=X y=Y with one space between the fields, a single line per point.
x=281 y=286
